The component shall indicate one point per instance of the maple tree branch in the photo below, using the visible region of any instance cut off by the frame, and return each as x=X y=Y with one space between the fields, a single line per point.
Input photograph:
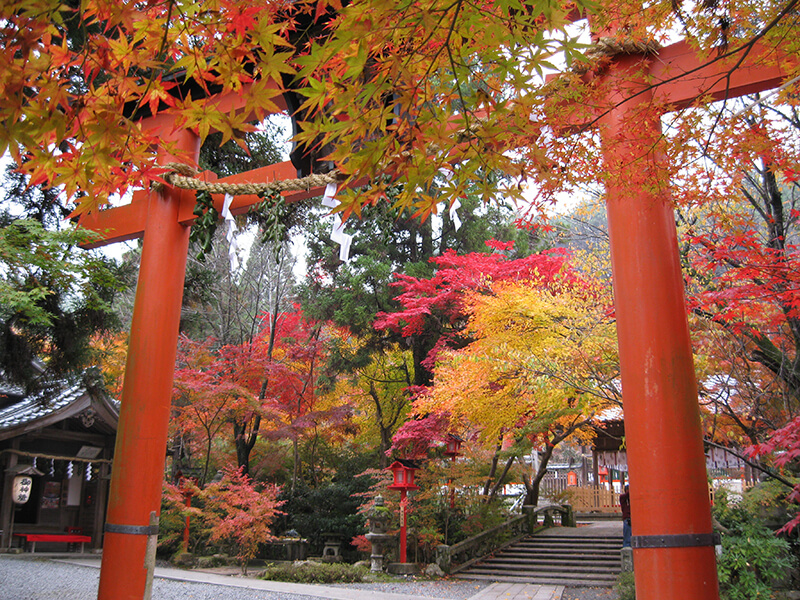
x=763 y=469
x=498 y=484
x=766 y=353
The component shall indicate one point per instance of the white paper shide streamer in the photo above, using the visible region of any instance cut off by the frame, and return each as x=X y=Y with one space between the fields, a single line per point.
x=337 y=231
x=454 y=213
x=448 y=175
x=230 y=235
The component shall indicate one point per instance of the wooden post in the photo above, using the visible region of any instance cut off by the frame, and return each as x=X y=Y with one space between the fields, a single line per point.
x=403 y=527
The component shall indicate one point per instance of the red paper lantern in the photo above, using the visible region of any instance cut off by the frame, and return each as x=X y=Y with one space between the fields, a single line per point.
x=403 y=472
x=453 y=445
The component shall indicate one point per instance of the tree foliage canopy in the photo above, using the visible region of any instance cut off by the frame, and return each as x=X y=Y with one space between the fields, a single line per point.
x=404 y=89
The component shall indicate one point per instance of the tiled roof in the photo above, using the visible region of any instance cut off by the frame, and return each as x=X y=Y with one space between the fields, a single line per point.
x=36 y=407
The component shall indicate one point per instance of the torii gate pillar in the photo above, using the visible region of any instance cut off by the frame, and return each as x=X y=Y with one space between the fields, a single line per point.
x=136 y=485
x=674 y=555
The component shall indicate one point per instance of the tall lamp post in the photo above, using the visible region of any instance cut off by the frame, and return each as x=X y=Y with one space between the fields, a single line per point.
x=453 y=448
x=403 y=472
x=185 y=485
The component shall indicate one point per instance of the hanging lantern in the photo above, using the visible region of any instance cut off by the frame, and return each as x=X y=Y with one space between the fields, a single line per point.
x=22 y=489
x=453 y=445
x=403 y=472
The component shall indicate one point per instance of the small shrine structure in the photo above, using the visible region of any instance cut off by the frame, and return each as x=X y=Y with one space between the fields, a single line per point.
x=65 y=438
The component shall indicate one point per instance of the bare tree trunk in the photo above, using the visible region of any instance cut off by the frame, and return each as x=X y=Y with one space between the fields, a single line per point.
x=244 y=442
x=493 y=469
x=296 y=465
x=532 y=495
x=496 y=487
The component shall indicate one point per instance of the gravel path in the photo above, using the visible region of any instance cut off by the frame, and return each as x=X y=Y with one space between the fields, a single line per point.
x=584 y=593
x=446 y=588
x=32 y=579
x=42 y=579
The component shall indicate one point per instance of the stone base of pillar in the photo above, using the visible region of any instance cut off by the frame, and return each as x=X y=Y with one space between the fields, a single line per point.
x=626 y=559
x=376 y=563
x=402 y=568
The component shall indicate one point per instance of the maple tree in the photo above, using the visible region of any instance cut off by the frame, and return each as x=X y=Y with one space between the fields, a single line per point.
x=783 y=448
x=264 y=387
x=432 y=308
x=239 y=309
x=740 y=256
x=378 y=385
x=239 y=512
x=110 y=350
x=540 y=365
x=485 y=315
x=204 y=400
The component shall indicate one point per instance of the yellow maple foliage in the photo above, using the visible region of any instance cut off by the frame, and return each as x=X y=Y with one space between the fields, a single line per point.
x=539 y=358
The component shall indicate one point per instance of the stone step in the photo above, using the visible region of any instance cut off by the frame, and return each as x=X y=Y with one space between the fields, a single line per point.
x=564 y=539
x=545 y=567
x=544 y=579
x=574 y=572
x=562 y=546
x=579 y=550
x=553 y=560
x=512 y=563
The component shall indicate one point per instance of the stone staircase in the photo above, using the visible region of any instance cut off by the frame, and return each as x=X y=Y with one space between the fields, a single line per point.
x=557 y=556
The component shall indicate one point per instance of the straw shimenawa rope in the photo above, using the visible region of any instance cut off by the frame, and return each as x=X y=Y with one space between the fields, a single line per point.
x=56 y=456
x=607 y=47
x=185 y=177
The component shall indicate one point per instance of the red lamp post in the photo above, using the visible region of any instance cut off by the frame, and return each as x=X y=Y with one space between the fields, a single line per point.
x=403 y=472
x=185 y=485
x=453 y=447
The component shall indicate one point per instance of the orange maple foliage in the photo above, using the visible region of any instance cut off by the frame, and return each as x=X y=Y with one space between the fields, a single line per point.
x=400 y=90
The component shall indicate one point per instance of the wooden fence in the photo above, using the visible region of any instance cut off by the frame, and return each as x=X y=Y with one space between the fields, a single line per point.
x=553 y=484
x=593 y=499
x=582 y=499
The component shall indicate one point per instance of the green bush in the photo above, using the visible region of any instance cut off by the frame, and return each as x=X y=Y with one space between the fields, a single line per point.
x=316 y=573
x=331 y=507
x=626 y=587
x=753 y=558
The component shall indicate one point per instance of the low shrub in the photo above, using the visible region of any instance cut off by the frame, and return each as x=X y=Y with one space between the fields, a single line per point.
x=626 y=587
x=315 y=573
x=754 y=560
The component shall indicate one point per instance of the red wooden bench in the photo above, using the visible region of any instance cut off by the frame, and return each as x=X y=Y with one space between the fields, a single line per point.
x=69 y=538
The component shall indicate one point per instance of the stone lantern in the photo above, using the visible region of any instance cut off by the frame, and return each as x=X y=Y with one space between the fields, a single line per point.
x=378 y=518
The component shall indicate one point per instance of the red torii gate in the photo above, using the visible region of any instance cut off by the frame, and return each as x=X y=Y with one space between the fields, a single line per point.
x=163 y=219
x=674 y=554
